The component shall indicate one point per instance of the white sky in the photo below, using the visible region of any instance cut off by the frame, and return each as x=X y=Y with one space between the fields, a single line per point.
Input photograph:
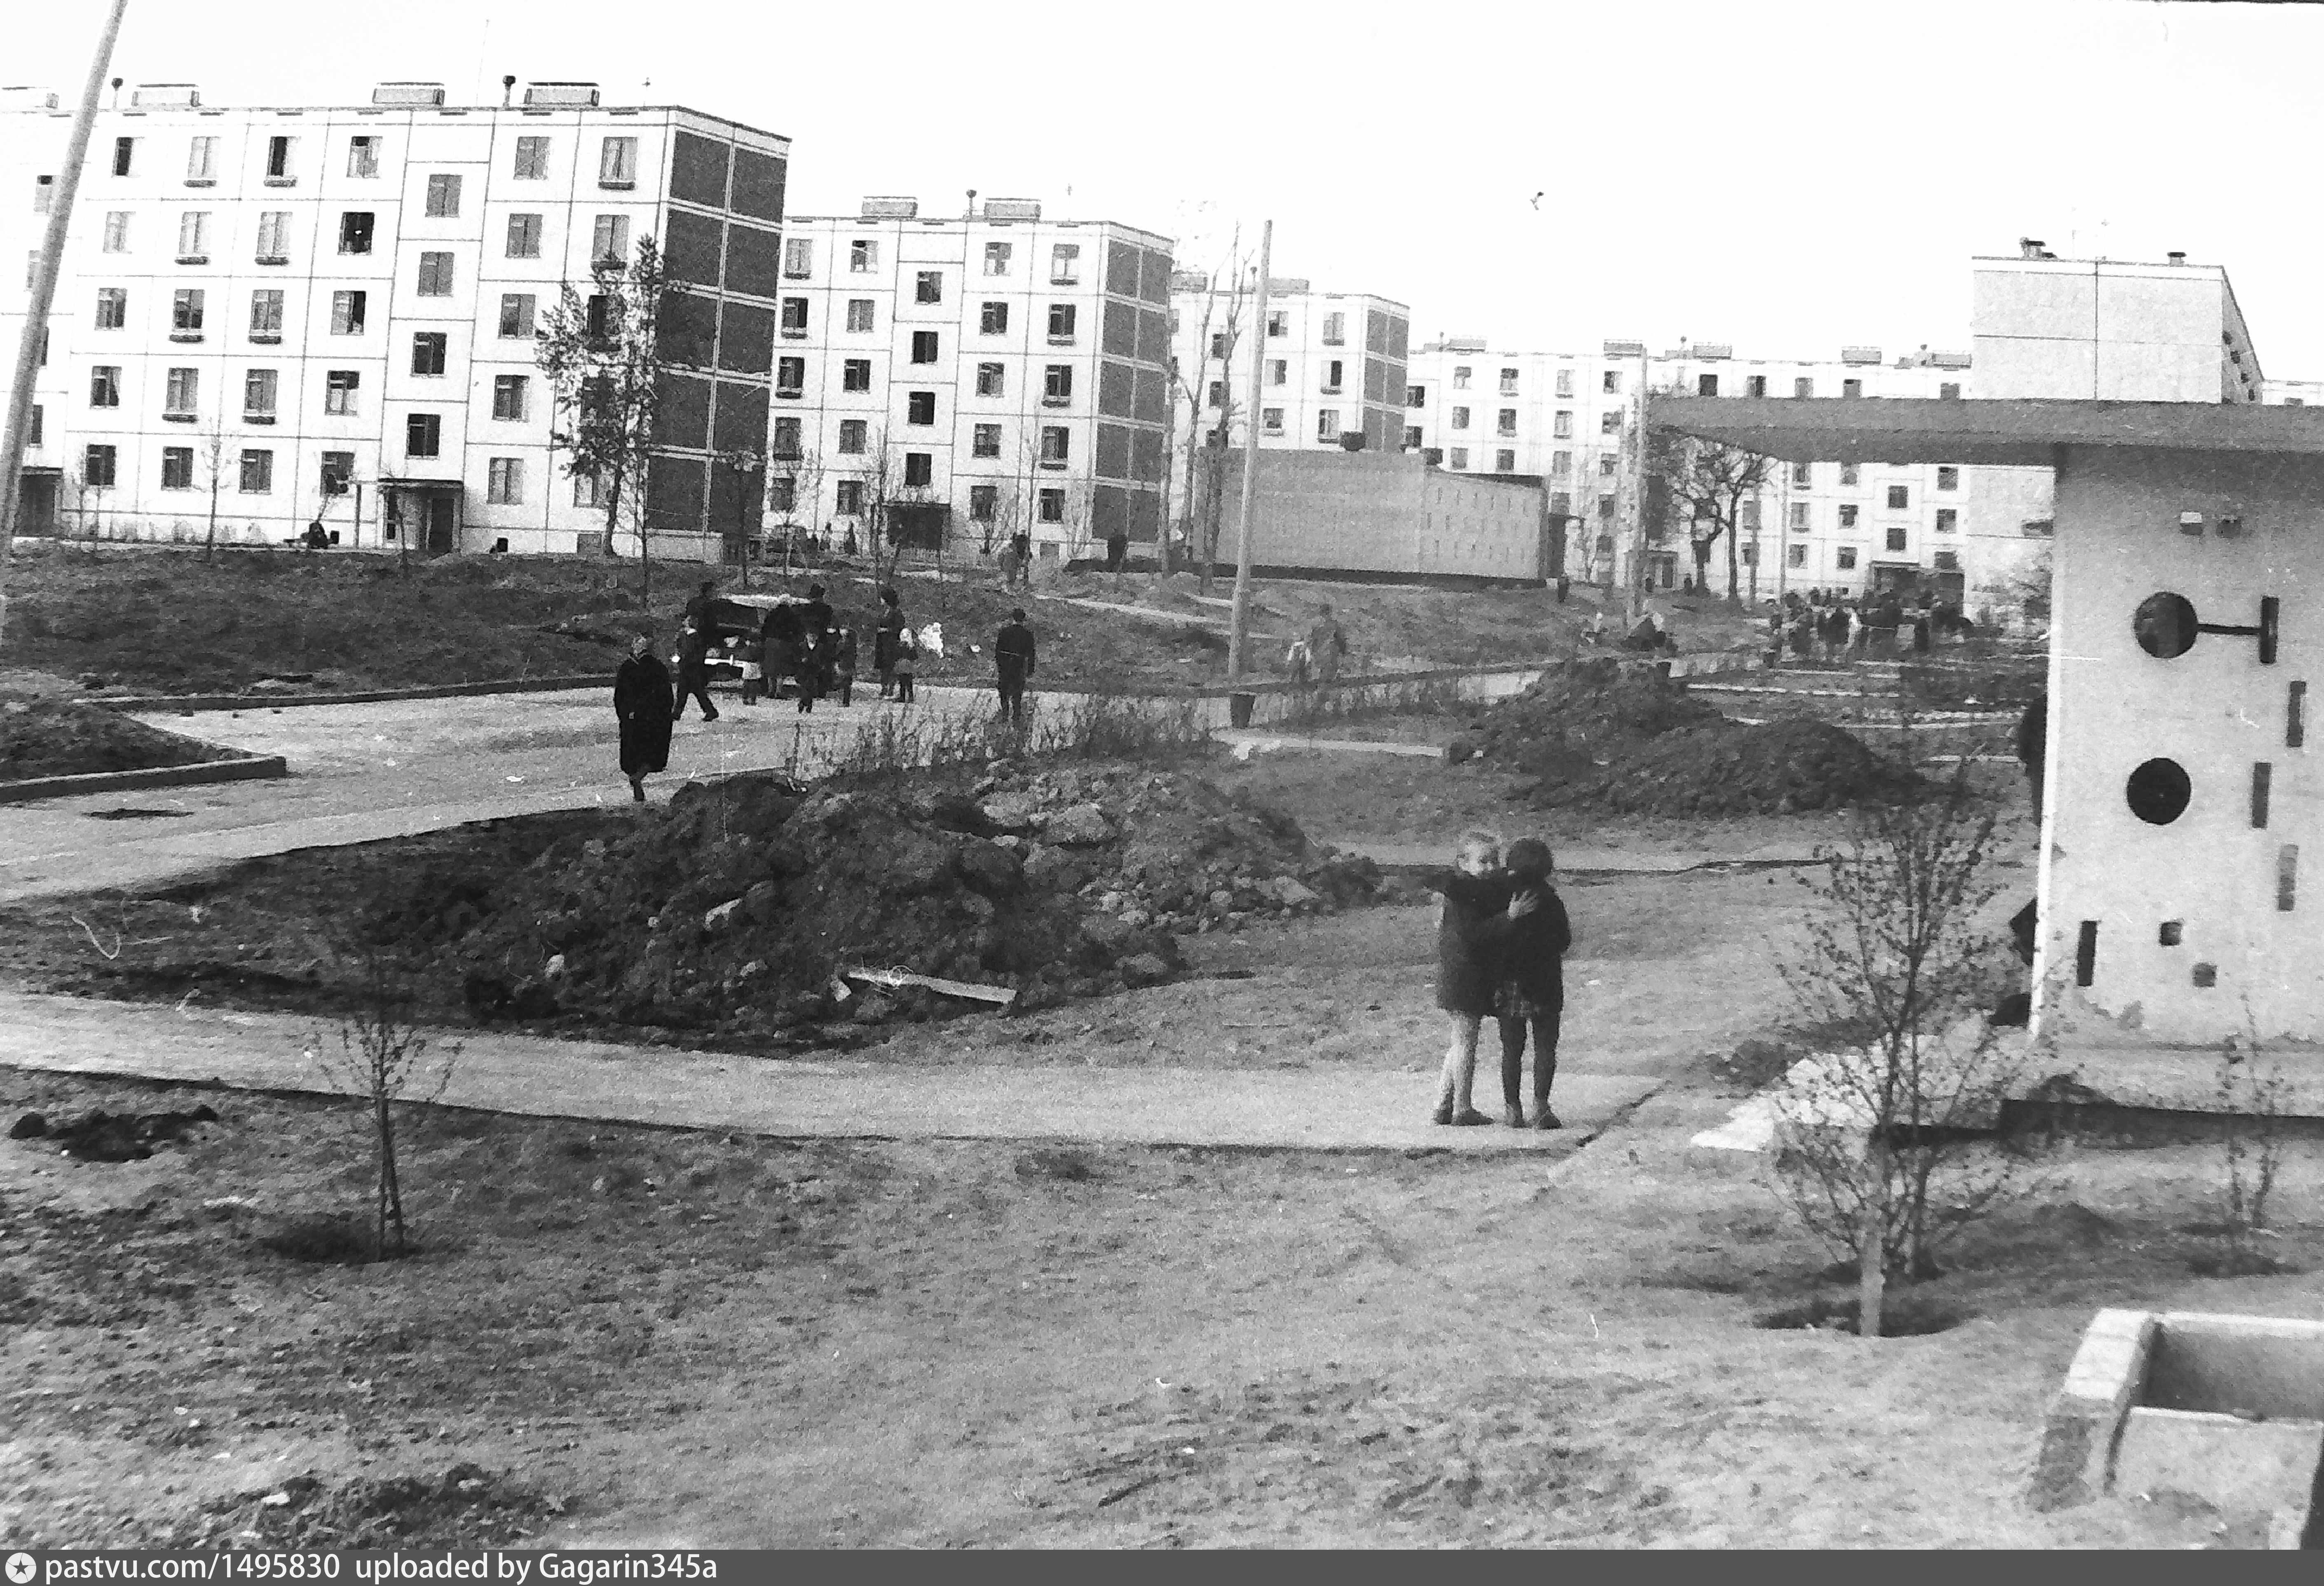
x=1787 y=176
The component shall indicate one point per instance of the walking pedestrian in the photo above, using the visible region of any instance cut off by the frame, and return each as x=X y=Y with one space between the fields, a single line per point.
x=907 y=662
x=1531 y=997
x=843 y=667
x=884 y=641
x=1325 y=645
x=779 y=637
x=751 y=655
x=698 y=604
x=1013 y=658
x=1477 y=893
x=693 y=673
x=641 y=703
x=1020 y=555
x=1117 y=551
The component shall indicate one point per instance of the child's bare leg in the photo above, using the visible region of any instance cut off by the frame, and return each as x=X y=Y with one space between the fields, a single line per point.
x=1456 y=1084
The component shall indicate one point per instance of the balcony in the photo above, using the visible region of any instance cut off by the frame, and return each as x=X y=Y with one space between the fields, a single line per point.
x=1057 y=280
x=201 y=181
x=618 y=184
x=276 y=259
x=193 y=258
x=179 y=417
x=1060 y=341
x=186 y=336
x=789 y=392
x=1054 y=464
x=1056 y=402
x=281 y=181
x=1330 y=390
x=258 y=417
x=798 y=334
x=264 y=338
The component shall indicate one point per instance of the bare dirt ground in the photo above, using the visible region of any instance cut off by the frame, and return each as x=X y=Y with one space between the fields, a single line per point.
x=43 y=734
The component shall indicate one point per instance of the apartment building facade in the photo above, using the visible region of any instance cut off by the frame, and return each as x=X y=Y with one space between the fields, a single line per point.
x=970 y=376
x=1333 y=367
x=1572 y=421
x=268 y=316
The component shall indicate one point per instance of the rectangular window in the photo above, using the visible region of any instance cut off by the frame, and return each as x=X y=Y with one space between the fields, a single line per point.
x=795 y=316
x=1609 y=423
x=1334 y=373
x=111 y=307
x=1801 y=477
x=993 y=319
x=1327 y=424
x=1899 y=498
x=1561 y=464
x=1278 y=372
x=1950 y=391
x=44 y=194
x=505 y=481
x=201 y=160
x=193 y=236
x=1946 y=561
x=1457 y=458
x=855 y=374
x=1560 y=504
x=1270 y=421
x=996 y=258
x=1948 y=477
x=985 y=441
x=435 y=275
x=531 y=159
x=609 y=240
x=186 y=310
x=920 y=406
x=116 y=230
x=1796 y=556
x=847 y=498
x=274 y=236
x=443 y=201
x=782 y=493
x=790 y=376
x=524 y=236
x=786 y=438
x=1851 y=474
x=1610 y=382
x=1848 y=514
x=184 y=391
x=1415 y=396
x=983 y=501
x=1065 y=264
x=920 y=470
x=339 y=387
x=1755 y=385
x=423 y=433
x=862 y=315
x=1804 y=387
x=991 y=380
x=1278 y=322
x=1335 y=330
x=799 y=258
x=338 y=470
x=1750 y=552
x=852 y=434
x=1844 y=558
x=1897 y=537
x=363 y=156
x=1799 y=515
x=1412 y=434
x=862 y=256
x=928 y=286
x=98 y=463
x=597 y=315
x=1948 y=519
x=347 y=313
x=1461 y=373
x=257 y=473
x=1851 y=388
x=517 y=313
x=1056 y=443
x=259 y=389
x=1565 y=383
x=1706 y=386
x=1057 y=384
x=355 y=231
x=588 y=489
x=1052 y=506
x=1607 y=464
x=1459 y=418
x=278 y=161
x=1508 y=421
x=617 y=162
x=177 y=467
x=1218 y=393
x=125 y=151
x=428 y=350
x=923 y=346
x=1562 y=425
x=1508 y=382
x=1061 y=322
x=511 y=398
x=1505 y=462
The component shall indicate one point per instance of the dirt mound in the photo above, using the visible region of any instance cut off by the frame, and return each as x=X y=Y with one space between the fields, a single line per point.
x=53 y=737
x=111 y=1137
x=465 y=1506
x=734 y=909
x=1601 y=734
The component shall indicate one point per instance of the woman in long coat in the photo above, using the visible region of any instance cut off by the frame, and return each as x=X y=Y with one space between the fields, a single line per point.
x=884 y=641
x=641 y=700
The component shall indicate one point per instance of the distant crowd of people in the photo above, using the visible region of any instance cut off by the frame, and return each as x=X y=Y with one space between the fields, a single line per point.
x=1824 y=624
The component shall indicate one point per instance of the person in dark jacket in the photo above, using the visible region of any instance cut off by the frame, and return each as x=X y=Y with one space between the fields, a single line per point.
x=1013 y=658
x=843 y=667
x=1477 y=898
x=641 y=703
x=693 y=673
x=883 y=640
x=698 y=604
x=779 y=638
x=1532 y=992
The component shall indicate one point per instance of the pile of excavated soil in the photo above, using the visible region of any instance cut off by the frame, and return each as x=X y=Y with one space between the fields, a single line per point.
x=54 y=737
x=733 y=910
x=1597 y=735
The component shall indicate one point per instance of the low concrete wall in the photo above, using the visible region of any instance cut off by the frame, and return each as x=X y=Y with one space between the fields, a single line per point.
x=242 y=769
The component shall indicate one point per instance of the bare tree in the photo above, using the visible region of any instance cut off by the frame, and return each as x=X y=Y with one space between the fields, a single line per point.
x=602 y=353
x=1701 y=485
x=213 y=456
x=1206 y=446
x=804 y=476
x=381 y=1061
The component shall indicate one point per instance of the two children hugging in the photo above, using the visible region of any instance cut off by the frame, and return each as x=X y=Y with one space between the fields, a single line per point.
x=1500 y=946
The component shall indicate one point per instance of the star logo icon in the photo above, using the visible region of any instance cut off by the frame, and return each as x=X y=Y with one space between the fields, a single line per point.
x=21 y=1569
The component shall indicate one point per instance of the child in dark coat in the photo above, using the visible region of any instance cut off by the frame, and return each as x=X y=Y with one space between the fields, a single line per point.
x=843 y=667
x=1532 y=990
x=1477 y=900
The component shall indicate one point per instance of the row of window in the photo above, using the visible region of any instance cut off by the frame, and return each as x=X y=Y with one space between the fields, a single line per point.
x=919 y=471
x=863 y=318
x=189 y=313
x=863 y=259
x=511 y=393
x=617 y=164
x=253 y=469
x=1278 y=322
x=1610 y=384
x=609 y=239
x=1056 y=444
x=991 y=379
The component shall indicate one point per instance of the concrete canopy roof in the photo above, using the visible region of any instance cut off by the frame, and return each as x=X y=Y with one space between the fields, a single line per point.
x=2011 y=433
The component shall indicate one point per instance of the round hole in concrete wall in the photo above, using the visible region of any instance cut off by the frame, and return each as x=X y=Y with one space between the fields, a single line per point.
x=2158 y=791
x=2165 y=624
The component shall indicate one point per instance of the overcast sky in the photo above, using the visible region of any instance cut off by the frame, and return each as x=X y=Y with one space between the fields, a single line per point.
x=1788 y=177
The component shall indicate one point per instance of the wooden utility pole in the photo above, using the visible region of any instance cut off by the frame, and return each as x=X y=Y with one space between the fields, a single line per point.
x=1238 y=627
x=44 y=292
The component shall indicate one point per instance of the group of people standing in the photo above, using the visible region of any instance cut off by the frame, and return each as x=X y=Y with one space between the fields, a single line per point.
x=1823 y=623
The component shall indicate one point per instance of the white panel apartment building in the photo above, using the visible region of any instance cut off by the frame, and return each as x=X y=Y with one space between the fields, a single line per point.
x=1571 y=420
x=980 y=374
x=1334 y=366
x=330 y=311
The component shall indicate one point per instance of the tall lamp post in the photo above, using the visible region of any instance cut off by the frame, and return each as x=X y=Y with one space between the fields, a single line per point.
x=748 y=465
